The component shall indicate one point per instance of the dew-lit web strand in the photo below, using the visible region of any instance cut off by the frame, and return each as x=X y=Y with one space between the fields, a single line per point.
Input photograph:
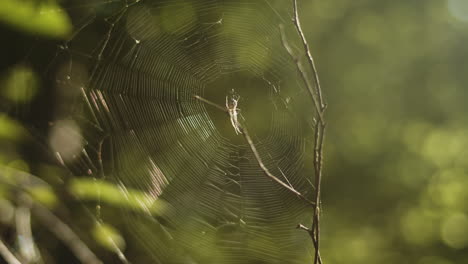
x=227 y=58
x=63 y=231
x=63 y=47
x=99 y=150
x=249 y=140
x=284 y=150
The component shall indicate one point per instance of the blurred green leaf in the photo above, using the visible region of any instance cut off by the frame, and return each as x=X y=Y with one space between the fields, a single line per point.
x=98 y=190
x=44 y=195
x=20 y=84
x=10 y=129
x=108 y=237
x=44 y=18
x=21 y=166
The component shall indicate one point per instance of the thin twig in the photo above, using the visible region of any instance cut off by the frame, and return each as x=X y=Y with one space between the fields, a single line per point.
x=310 y=232
x=251 y=144
x=319 y=134
x=318 y=155
x=249 y=140
x=309 y=57
x=302 y=72
x=7 y=255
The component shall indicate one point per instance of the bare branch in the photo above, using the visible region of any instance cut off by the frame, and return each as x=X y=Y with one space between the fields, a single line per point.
x=303 y=227
x=318 y=157
x=249 y=140
x=309 y=57
x=303 y=74
x=7 y=255
x=310 y=232
x=319 y=134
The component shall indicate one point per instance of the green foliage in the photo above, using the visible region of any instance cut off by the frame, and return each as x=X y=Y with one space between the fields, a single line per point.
x=44 y=18
x=108 y=237
x=10 y=129
x=20 y=84
x=116 y=195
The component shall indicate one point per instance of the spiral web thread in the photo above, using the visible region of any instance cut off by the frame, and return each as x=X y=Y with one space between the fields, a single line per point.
x=134 y=67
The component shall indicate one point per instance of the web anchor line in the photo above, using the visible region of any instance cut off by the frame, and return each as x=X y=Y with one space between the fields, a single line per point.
x=241 y=129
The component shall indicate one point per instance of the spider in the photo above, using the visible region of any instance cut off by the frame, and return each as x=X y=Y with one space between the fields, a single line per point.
x=232 y=101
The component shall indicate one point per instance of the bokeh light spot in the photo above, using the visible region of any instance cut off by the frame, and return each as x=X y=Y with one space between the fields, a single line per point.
x=458 y=9
x=454 y=231
x=418 y=227
x=66 y=139
x=442 y=147
x=448 y=189
x=10 y=129
x=21 y=85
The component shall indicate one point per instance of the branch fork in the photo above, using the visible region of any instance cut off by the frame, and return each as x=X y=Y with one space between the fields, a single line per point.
x=315 y=92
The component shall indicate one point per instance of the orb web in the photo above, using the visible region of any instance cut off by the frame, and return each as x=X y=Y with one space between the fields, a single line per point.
x=134 y=69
